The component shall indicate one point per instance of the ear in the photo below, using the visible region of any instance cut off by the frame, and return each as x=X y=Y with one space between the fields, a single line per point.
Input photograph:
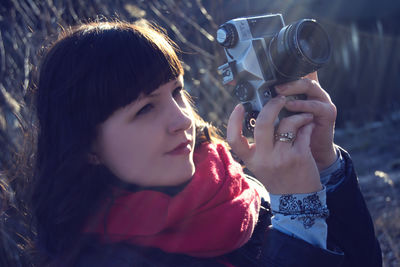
x=94 y=159
x=93 y=155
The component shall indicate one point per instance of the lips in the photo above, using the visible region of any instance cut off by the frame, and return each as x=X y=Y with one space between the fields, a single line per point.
x=182 y=148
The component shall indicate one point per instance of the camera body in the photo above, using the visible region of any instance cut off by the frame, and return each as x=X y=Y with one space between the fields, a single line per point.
x=262 y=52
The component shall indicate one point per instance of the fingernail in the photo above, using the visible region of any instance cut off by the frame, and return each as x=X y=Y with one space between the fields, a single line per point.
x=239 y=107
x=308 y=115
x=280 y=87
x=282 y=98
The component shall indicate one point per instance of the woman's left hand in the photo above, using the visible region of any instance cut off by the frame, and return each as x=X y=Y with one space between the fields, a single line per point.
x=320 y=105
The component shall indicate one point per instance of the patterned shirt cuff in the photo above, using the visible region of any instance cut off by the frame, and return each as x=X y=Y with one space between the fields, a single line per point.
x=302 y=216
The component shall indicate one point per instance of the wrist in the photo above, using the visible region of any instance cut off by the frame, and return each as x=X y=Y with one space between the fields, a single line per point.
x=301 y=188
x=326 y=158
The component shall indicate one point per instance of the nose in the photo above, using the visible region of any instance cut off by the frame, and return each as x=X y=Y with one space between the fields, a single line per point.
x=179 y=117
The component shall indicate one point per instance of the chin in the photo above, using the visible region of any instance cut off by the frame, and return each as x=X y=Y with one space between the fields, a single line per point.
x=186 y=174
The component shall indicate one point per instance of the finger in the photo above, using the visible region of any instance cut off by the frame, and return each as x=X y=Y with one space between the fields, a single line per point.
x=234 y=136
x=291 y=125
x=265 y=123
x=303 y=86
x=303 y=139
x=312 y=76
x=317 y=108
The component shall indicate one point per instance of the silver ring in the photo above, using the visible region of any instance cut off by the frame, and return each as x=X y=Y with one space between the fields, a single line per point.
x=285 y=137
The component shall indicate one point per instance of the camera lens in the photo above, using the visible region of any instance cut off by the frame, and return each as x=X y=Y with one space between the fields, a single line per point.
x=313 y=42
x=300 y=48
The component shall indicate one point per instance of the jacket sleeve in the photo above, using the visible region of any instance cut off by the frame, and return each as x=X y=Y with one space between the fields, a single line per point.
x=351 y=237
x=271 y=247
x=283 y=250
x=350 y=226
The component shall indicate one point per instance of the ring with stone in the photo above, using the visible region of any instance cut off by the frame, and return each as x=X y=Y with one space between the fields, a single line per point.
x=285 y=137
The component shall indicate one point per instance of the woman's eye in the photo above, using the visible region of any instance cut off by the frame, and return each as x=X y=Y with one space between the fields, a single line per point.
x=147 y=108
x=177 y=92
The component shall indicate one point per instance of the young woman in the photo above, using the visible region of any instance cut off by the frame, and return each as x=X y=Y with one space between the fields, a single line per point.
x=128 y=174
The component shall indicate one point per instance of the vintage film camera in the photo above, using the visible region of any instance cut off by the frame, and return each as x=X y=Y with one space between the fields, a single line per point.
x=262 y=52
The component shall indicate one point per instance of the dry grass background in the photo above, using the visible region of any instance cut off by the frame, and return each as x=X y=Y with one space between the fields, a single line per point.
x=362 y=79
x=376 y=155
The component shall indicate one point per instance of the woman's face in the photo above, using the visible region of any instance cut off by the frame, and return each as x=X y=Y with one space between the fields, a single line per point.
x=150 y=142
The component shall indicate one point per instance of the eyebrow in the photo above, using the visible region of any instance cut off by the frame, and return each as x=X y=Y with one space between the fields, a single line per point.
x=154 y=94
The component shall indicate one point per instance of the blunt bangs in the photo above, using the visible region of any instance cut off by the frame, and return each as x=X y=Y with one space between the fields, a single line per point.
x=127 y=61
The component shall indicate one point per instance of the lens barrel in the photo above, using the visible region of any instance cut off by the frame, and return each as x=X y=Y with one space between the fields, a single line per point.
x=299 y=49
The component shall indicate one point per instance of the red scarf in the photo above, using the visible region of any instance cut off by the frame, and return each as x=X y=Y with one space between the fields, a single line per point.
x=214 y=214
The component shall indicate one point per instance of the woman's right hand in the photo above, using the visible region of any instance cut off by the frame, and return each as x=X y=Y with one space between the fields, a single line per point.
x=283 y=167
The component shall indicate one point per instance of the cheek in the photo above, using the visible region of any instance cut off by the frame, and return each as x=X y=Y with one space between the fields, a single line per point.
x=124 y=153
